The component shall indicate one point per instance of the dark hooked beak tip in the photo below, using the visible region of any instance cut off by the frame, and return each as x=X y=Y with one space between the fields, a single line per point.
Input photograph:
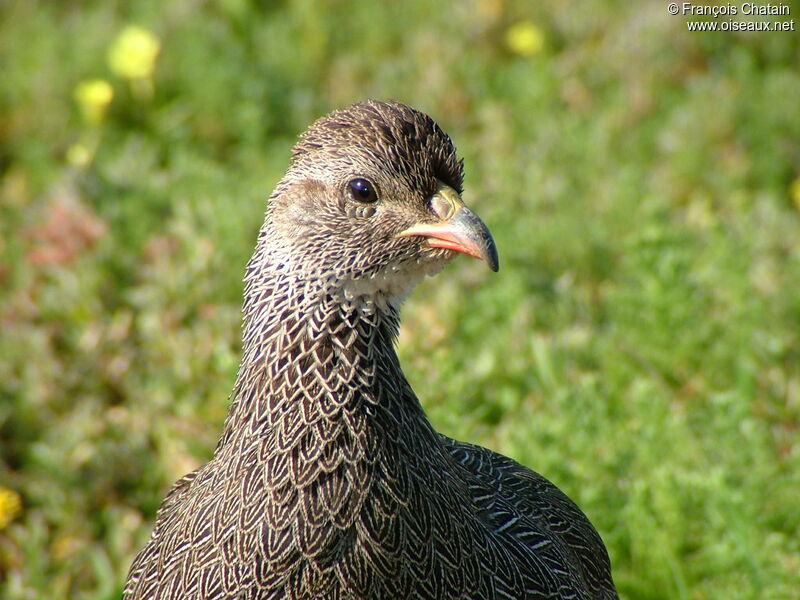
x=463 y=232
x=475 y=237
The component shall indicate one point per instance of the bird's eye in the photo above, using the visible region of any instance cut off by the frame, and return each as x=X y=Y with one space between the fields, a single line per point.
x=362 y=190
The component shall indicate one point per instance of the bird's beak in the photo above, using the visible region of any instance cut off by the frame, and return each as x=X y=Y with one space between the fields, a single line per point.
x=459 y=229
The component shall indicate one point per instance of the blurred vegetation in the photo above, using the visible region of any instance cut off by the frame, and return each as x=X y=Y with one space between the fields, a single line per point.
x=639 y=347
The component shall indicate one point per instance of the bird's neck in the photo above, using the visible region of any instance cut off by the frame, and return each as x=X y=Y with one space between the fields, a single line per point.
x=317 y=367
x=325 y=435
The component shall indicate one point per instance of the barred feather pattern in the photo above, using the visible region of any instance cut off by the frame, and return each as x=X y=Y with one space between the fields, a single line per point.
x=329 y=482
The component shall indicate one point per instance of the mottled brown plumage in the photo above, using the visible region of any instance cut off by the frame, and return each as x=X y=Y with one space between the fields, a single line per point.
x=329 y=482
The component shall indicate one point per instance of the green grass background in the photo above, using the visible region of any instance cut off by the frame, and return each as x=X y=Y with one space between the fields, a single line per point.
x=639 y=346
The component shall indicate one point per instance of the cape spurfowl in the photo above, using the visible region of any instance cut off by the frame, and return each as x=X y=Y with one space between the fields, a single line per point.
x=329 y=482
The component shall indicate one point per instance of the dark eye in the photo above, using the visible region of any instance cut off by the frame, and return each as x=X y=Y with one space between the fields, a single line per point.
x=362 y=190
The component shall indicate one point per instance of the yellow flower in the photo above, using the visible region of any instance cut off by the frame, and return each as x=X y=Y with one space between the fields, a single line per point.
x=794 y=192
x=93 y=96
x=133 y=53
x=78 y=155
x=10 y=506
x=524 y=38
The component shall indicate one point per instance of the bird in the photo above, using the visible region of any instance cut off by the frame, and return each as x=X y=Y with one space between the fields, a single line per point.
x=329 y=482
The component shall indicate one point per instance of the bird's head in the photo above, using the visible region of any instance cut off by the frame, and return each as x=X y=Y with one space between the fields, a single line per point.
x=371 y=203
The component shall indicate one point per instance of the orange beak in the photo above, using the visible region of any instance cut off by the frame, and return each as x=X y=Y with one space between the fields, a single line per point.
x=459 y=229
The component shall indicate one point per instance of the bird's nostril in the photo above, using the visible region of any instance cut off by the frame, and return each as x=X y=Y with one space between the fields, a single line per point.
x=442 y=207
